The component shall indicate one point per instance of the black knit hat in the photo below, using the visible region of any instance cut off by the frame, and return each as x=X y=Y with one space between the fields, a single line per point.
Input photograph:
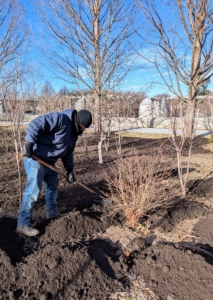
x=85 y=118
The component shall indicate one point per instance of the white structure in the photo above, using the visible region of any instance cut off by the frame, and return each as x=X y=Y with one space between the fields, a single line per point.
x=80 y=104
x=153 y=108
x=1 y=107
x=83 y=103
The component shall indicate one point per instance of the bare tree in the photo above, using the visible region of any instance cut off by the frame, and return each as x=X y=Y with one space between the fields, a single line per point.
x=48 y=89
x=15 y=106
x=13 y=43
x=181 y=43
x=90 y=43
x=63 y=90
x=34 y=82
x=13 y=34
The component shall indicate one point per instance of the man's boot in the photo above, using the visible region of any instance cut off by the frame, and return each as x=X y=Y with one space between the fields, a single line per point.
x=27 y=230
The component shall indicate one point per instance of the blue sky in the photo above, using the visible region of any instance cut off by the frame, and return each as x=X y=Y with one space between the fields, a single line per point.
x=145 y=78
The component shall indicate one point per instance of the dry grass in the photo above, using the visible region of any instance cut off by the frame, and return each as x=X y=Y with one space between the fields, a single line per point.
x=8 y=127
x=137 y=291
x=143 y=135
x=138 y=184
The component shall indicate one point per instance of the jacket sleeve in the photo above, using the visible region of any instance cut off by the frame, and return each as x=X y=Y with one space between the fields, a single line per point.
x=68 y=159
x=41 y=125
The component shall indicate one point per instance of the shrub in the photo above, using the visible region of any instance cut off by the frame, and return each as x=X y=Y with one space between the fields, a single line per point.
x=139 y=183
x=211 y=138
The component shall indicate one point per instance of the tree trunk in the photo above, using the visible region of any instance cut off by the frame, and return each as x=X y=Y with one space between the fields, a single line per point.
x=189 y=129
x=97 y=113
x=189 y=120
x=97 y=69
x=100 y=153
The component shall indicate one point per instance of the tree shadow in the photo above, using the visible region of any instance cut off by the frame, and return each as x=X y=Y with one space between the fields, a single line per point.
x=205 y=250
x=101 y=252
x=72 y=280
x=152 y=122
x=201 y=186
x=101 y=257
x=172 y=212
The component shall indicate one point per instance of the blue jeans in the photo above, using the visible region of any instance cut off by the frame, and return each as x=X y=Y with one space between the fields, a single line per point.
x=36 y=174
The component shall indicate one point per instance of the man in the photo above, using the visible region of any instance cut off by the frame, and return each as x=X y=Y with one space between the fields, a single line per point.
x=49 y=137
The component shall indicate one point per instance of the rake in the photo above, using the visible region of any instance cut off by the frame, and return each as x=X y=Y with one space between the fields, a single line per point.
x=97 y=199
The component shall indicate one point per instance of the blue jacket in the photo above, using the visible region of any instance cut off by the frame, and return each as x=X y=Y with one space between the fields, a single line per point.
x=52 y=137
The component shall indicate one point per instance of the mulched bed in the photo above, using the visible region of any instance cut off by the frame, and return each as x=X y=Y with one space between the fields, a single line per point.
x=69 y=260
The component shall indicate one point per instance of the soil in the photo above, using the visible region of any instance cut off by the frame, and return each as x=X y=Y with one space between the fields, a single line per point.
x=88 y=254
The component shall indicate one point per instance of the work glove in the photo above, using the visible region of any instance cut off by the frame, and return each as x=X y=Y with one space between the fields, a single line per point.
x=71 y=177
x=28 y=150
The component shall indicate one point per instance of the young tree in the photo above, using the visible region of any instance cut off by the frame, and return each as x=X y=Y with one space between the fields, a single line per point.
x=15 y=106
x=34 y=82
x=181 y=44
x=179 y=142
x=90 y=43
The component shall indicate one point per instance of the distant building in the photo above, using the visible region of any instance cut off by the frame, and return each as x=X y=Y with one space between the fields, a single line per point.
x=30 y=107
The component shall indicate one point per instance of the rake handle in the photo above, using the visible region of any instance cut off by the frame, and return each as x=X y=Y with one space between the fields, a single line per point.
x=61 y=173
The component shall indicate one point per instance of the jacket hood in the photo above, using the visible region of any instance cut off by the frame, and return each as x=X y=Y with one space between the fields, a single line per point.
x=68 y=112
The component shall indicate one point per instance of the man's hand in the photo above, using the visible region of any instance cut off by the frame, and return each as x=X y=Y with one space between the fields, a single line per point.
x=28 y=150
x=71 y=177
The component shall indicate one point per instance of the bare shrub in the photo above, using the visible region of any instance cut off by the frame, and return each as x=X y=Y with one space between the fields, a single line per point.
x=54 y=102
x=5 y=139
x=15 y=106
x=138 y=184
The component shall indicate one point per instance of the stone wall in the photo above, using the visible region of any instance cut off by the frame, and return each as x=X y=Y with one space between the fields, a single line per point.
x=128 y=123
x=204 y=123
